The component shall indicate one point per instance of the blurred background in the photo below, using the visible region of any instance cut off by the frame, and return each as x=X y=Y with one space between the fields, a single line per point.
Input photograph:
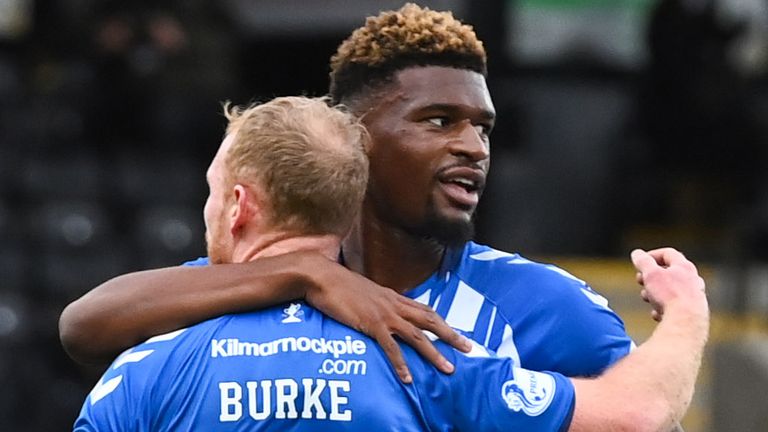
x=622 y=124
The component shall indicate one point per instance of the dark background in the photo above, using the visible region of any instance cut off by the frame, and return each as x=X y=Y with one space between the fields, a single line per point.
x=621 y=124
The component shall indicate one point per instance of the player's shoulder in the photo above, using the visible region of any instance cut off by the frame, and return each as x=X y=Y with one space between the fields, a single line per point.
x=511 y=281
x=157 y=354
x=130 y=376
x=583 y=334
x=149 y=358
x=485 y=266
x=140 y=378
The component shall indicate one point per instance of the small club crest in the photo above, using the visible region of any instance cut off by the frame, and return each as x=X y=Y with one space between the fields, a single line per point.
x=292 y=314
x=531 y=392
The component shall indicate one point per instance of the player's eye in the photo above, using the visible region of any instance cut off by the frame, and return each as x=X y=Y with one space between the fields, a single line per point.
x=483 y=130
x=438 y=121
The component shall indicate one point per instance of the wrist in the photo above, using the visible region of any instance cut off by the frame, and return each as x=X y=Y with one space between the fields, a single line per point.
x=291 y=274
x=312 y=273
x=687 y=318
x=689 y=307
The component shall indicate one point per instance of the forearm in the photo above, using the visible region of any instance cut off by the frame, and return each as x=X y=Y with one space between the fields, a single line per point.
x=130 y=308
x=652 y=387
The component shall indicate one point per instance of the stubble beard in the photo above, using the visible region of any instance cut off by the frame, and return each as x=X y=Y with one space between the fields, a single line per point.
x=444 y=231
x=215 y=248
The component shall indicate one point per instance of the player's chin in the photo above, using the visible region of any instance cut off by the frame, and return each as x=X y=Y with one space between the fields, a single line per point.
x=453 y=214
x=452 y=229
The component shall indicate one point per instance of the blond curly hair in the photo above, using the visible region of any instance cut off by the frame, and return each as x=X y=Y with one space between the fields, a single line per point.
x=395 y=40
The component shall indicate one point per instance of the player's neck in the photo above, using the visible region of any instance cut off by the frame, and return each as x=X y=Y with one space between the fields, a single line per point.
x=390 y=257
x=280 y=243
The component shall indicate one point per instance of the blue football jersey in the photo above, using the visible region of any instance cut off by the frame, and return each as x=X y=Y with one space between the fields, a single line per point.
x=293 y=369
x=539 y=315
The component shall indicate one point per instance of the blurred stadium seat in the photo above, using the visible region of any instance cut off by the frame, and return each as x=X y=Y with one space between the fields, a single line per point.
x=70 y=176
x=10 y=81
x=51 y=126
x=169 y=235
x=67 y=275
x=4 y=219
x=71 y=225
x=13 y=261
x=78 y=247
x=14 y=268
x=160 y=179
x=14 y=318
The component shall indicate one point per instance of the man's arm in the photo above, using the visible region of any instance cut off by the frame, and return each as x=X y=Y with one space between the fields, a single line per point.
x=130 y=308
x=648 y=390
x=651 y=388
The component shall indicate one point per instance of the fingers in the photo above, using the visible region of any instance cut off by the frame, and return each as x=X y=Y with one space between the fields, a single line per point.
x=644 y=296
x=661 y=258
x=386 y=315
x=414 y=337
x=668 y=280
x=418 y=317
x=656 y=315
x=657 y=311
x=667 y=257
x=427 y=319
x=395 y=356
x=410 y=319
x=643 y=261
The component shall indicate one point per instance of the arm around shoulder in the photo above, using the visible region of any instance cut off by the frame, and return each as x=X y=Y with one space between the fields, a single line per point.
x=130 y=308
x=127 y=309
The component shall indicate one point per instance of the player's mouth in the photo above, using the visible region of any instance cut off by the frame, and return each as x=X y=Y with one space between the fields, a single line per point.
x=462 y=185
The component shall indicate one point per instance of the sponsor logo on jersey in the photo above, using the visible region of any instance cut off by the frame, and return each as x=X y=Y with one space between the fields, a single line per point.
x=529 y=391
x=292 y=314
x=343 y=367
x=233 y=347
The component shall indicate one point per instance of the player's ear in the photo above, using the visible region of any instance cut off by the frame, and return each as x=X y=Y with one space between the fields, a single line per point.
x=244 y=207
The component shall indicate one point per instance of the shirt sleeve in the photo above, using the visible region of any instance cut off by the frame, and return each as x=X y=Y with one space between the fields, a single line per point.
x=199 y=262
x=565 y=325
x=581 y=336
x=491 y=394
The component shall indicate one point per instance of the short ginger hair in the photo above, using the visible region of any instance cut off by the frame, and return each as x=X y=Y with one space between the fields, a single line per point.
x=307 y=156
x=396 y=40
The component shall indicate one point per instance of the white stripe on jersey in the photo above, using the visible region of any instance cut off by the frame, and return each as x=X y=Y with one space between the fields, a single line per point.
x=166 y=336
x=477 y=350
x=102 y=389
x=131 y=357
x=424 y=298
x=507 y=347
x=490 y=255
x=490 y=327
x=465 y=308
